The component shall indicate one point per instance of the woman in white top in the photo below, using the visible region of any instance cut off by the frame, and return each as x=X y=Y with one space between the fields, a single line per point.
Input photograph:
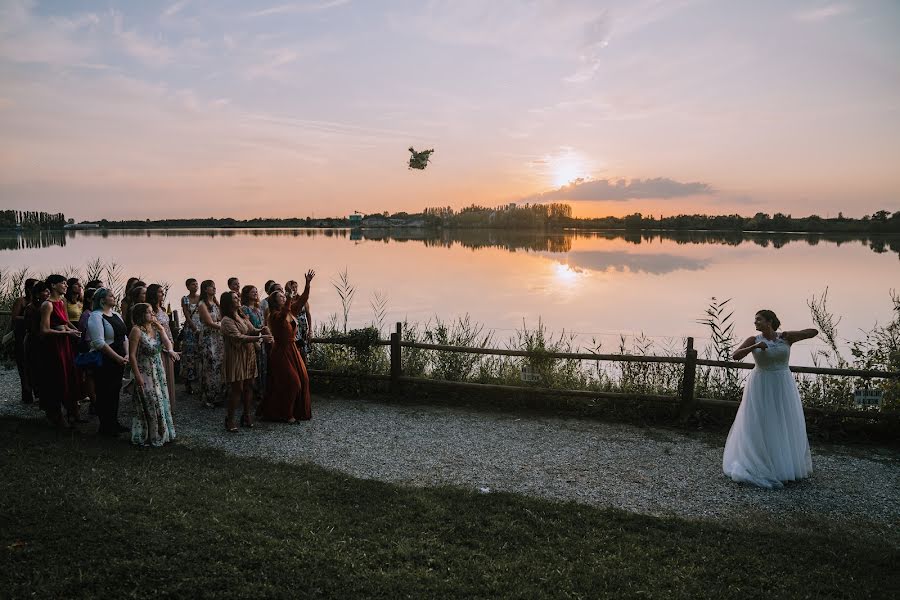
x=109 y=337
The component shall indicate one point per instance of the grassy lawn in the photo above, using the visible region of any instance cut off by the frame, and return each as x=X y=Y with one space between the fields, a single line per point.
x=86 y=517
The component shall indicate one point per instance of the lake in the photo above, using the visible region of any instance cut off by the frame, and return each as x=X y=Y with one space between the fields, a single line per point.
x=595 y=285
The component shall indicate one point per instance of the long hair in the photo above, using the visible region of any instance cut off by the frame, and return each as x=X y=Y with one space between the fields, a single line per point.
x=272 y=302
x=204 y=297
x=29 y=283
x=228 y=305
x=268 y=286
x=69 y=293
x=87 y=303
x=245 y=295
x=139 y=314
x=130 y=283
x=153 y=291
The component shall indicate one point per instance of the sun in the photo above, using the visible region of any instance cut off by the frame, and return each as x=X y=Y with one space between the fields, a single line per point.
x=567 y=166
x=566 y=172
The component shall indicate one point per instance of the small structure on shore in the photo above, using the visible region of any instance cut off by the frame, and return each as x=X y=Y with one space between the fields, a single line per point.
x=81 y=226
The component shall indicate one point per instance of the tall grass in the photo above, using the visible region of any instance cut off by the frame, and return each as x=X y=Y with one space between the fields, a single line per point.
x=12 y=283
x=879 y=349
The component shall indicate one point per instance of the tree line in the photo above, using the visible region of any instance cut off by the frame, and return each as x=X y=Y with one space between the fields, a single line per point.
x=27 y=219
x=541 y=217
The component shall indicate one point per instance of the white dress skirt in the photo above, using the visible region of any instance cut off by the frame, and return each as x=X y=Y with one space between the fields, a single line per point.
x=767 y=444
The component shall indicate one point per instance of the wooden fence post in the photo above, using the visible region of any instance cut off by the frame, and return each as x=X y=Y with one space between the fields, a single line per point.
x=396 y=360
x=687 y=383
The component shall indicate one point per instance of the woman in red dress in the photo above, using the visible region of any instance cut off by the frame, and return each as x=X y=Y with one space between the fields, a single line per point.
x=58 y=381
x=287 y=387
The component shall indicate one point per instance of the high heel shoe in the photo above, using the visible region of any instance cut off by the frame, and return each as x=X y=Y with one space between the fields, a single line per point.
x=246 y=422
x=230 y=427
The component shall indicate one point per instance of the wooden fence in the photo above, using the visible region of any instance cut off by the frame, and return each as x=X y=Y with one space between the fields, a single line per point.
x=686 y=401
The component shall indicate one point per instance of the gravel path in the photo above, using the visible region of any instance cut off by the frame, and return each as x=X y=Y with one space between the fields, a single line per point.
x=645 y=470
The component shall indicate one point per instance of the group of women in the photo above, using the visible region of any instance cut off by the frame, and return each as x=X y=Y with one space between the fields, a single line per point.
x=72 y=344
x=237 y=347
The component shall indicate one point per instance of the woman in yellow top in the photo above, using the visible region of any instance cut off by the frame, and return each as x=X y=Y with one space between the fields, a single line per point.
x=74 y=299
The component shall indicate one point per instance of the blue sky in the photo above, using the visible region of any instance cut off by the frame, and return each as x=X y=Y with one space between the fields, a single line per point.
x=194 y=108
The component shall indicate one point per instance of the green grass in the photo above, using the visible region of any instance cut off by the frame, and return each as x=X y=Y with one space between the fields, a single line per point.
x=85 y=517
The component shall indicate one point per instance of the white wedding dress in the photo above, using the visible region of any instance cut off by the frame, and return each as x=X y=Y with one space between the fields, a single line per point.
x=767 y=443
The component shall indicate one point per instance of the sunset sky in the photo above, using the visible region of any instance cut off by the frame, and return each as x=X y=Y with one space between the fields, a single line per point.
x=236 y=108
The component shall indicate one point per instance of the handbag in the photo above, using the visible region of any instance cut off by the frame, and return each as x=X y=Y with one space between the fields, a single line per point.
x=180 y=337
x=89 y=360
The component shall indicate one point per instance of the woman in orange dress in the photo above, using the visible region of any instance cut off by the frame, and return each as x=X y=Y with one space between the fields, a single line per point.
x=287 y=388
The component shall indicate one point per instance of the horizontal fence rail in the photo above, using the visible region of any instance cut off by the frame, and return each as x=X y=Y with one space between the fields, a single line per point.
x=685 y=400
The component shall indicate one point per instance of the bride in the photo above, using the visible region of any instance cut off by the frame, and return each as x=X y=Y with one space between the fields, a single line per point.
x=767 y=443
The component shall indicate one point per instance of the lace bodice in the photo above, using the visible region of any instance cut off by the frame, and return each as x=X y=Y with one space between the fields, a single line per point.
x=775 y=357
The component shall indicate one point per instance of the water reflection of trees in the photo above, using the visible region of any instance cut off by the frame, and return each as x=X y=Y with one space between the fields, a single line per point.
x=32 y=239
x=210 y=233
x=512 y=241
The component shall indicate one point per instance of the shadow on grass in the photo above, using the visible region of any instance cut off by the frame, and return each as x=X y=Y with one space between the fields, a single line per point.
x=85 y=517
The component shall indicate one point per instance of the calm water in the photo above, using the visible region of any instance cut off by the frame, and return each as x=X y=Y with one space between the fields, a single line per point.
x=596 y=285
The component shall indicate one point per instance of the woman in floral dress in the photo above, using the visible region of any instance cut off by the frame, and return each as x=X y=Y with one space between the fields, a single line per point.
x=250 y=306
x=190 y=360
x=212 y=348
x=156 y=298
x=152 y=424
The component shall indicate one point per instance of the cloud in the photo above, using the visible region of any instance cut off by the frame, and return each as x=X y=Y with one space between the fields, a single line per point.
x=271 y=68
x=144 y=49
x=140 y=47
x=174 y=9
x=594 y=39
x=28 y=38
x=298 y=8
x=824 y=12
x=621 y=190
x=571 y=30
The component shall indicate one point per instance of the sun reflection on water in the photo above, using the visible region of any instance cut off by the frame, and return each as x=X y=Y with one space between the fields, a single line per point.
x=567 y=275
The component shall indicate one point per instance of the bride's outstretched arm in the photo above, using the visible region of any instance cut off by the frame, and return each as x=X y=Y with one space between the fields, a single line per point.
x=747 y=347
x=792 y=337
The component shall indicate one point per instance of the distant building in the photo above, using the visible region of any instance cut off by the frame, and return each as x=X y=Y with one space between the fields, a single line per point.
x=355 y=219
x=81 y=226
